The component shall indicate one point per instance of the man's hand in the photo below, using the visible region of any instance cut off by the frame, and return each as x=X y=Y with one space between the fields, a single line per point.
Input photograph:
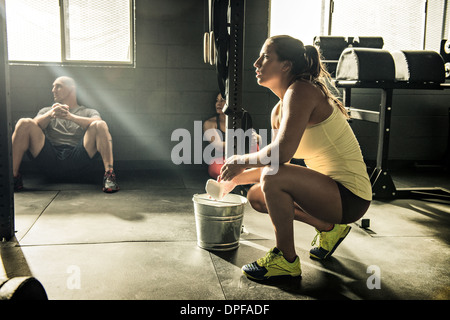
x=60 y=111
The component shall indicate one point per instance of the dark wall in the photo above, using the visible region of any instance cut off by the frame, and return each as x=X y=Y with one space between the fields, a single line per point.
x=419 y=124
x=171 y=87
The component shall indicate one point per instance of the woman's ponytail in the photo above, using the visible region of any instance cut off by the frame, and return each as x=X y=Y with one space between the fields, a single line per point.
x=313 y=66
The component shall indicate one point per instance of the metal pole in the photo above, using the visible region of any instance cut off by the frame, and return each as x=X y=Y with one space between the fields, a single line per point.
x=6 y=179
x=330 y=17
x=235 y=73
x=425 y=26
x=384 y=129
x=382 y=184
x=444 y=21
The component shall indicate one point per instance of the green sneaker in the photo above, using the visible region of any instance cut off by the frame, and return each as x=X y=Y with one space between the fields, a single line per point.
x=329 y=241
x=272 y=264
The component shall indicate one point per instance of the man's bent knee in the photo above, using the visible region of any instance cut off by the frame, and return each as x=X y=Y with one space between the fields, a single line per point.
x=98 y=125
x=26 y=124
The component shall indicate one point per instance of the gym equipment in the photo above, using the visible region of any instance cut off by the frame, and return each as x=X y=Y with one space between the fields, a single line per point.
x=445 y=53
x=206 y=48
x=212 y=49
x=331 y=48
x=22 y=288
x=367 y=42
x=226 y=45
x=380 y=69
x=360 y=64
x=220 y=37
x=418 y=66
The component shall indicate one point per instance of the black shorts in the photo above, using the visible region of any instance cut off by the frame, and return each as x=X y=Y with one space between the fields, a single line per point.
x=353 y=207
x=63 y=161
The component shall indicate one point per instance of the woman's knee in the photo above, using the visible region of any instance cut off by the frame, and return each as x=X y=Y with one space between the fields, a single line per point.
x=271 y=179
x=256 y=198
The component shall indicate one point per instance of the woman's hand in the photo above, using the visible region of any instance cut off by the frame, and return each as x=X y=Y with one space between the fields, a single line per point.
x=228 y=186
x=232 y=167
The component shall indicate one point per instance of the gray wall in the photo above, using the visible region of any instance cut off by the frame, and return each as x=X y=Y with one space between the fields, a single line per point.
x=419 y=124
x=171 y=88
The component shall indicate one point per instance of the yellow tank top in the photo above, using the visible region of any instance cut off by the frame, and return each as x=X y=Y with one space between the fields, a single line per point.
x=331 y=148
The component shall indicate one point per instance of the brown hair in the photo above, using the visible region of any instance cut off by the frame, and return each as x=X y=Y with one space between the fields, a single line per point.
x=306 y=65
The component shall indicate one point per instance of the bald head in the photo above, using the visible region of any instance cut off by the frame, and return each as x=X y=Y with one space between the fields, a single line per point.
x=64 y=91
x=68 y=81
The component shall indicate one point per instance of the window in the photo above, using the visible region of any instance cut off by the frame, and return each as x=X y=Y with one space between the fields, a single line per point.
x=400 y=23
x=302 y=19
x=403 y=24
x=437 y=26
x=70 y=31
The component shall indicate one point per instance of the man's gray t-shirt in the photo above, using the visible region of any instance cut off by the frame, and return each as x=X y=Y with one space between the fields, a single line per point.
x=66 y=132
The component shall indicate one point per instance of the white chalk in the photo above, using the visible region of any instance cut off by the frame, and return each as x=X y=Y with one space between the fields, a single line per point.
x=214 y=189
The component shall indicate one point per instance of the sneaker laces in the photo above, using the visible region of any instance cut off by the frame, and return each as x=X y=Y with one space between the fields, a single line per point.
x=110 y=175
x=269 y=257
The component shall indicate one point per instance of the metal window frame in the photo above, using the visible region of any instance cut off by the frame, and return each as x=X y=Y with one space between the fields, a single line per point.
x=7 y=222
x=328 y=10
x=88 y=63
x=425 y=22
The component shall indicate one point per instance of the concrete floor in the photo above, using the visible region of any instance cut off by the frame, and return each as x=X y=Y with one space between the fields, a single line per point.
x=140 y=243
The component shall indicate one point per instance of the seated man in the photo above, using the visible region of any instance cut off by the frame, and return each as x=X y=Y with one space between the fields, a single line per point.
x=64 y=139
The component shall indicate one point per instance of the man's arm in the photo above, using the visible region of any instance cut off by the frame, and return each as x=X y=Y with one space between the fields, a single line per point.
x=63 y=112
x=42 y=120
x=83 y=122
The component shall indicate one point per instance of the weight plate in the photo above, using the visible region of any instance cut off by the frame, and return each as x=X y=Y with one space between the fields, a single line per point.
x=212 y=48
x=206 y=47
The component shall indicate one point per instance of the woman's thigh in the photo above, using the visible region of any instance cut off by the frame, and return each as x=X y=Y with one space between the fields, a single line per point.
x=315 y=193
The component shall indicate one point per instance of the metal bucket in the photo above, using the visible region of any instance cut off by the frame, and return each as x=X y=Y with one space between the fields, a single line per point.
x=218 y=223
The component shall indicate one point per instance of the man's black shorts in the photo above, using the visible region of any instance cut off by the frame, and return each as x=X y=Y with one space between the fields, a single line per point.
x=63 y=160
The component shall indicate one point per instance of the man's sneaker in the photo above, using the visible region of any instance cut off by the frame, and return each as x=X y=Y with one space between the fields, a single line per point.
x=109 y=182
x=18 y=183
x=329 y=241
x=272 y=264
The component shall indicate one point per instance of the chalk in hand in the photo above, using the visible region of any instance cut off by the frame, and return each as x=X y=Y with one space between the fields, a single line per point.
x=214 y=189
